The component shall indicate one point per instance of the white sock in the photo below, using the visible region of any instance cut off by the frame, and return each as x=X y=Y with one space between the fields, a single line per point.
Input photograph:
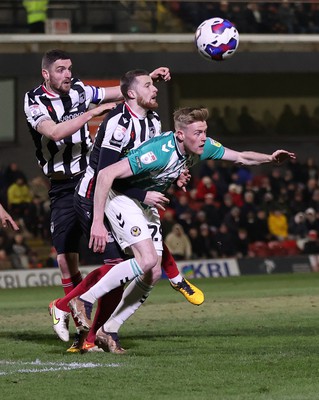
x=117 y=276
x=133 y=297
x=178 y=278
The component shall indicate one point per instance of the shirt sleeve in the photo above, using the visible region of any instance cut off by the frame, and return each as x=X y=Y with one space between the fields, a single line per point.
x=35 y=111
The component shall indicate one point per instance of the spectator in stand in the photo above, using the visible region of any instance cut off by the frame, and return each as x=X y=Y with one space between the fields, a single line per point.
x=312 y=168
x=311 y=245
x=302 y=19
x=199 y=218
x=253 y=18
x=303 y=121
x=207 y=168
x=297 y=226
x=233 y=221
x=297 y=202
x=298 y=170
x=314 y=201
x=287 y=121
x=205 y=186
x=242 y=243
x=19 y=198
x=249 y=205
x=216 y=124
x=242 y=176
x=220 y=182
x=12 y=173
x=247 y=124
x=226 y=205
x=235 y=192
x=311 y=186
x=37 y=219
x=18 y=252
x=40 y=186
x=260 y=231
x=268 y=202
x=36 y=14
x=312 y=221
x=276 y=181
x=223 y=10
x=278 y=224
x=209 y=207
x=288 y=180
x=183 y=206
x=208 y=245
x=225 y=243
x=196 y=242
x=179 y=244
x=286 y=17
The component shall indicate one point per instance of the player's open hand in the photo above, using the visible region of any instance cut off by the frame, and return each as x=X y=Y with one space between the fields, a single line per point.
x=161 y=74
x=6 y=219
x=98 y=237
x=279 y=156
x=156 y=199
x=183 y=179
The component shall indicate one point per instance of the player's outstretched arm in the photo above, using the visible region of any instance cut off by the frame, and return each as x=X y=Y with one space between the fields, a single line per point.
x=255 y=158
x=105 y=179
x=67 y=128
x=6 y=219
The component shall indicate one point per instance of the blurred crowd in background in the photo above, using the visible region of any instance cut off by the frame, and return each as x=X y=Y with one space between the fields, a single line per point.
x=144 y=16
x=227 y=211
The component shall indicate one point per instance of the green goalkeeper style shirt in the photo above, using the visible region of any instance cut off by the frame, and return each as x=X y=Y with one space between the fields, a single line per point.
x=157 y=163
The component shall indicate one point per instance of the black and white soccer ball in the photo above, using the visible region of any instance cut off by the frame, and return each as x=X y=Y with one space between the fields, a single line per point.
x=216 y=39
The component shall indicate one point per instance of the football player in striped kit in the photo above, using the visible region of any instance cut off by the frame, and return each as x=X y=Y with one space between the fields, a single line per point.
x=127 y=126
x=58 y=112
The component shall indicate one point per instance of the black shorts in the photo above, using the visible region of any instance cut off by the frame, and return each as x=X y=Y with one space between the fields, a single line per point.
x=84 y=211
x=65 y=227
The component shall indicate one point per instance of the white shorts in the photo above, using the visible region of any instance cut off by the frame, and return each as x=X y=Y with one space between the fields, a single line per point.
x=131 y=222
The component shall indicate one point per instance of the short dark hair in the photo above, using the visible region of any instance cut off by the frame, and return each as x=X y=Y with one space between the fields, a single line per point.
x=128 y=79
x=52 y=55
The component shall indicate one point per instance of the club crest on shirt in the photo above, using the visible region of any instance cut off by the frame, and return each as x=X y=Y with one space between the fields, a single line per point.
x=152 y=131
x=135 y=231
x=82 y=98
x=148 y=158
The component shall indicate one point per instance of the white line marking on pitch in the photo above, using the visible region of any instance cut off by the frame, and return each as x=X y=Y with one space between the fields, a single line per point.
x=39 y=366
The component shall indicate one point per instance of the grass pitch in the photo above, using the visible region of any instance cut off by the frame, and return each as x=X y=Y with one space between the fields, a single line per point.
x=254 y=338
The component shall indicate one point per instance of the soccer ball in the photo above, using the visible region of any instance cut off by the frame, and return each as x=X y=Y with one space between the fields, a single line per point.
x=216 y=39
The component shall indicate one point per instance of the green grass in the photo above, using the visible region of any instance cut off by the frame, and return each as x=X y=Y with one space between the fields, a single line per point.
x=254 y=338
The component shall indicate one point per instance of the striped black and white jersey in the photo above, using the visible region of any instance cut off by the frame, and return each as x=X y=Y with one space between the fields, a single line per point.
x=70 y=155
x=121 y=131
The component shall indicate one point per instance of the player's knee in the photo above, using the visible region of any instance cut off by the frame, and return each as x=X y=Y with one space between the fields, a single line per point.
x=148 y=261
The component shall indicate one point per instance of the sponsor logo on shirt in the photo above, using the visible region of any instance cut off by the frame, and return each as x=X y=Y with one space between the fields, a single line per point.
x=71 y=116
x=214 y=142
x=35 y=110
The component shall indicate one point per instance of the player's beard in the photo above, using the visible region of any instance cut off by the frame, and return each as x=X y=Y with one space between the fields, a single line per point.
x=61 y=89
x=148 y=105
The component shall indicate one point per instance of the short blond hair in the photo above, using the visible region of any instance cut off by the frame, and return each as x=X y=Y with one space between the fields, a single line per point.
x=187 y=115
